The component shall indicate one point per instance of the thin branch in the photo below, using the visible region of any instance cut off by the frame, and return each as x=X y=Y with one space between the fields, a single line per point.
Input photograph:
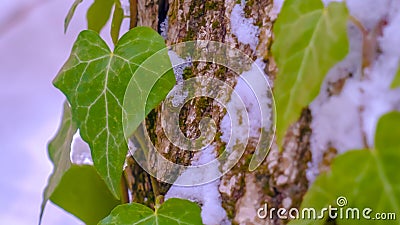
x=359 y=25
x=140 y=138
x=124 y=190
x=361 y=109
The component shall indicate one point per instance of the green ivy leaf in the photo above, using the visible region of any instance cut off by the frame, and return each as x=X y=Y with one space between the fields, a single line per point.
x=59 y=152
x=116 y=21
x=98 y=14
x=70 y=14
x=396 y=80
x=388 y=132
x=83 y=193
x=77 y=189
x=94 y=79
x=309 y=40
x=366 y=178
x=173 y=211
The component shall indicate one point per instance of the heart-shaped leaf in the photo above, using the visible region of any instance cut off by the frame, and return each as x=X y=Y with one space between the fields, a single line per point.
x=173 y=211
x=362 y=179
x=94 y=79
x=309 y=40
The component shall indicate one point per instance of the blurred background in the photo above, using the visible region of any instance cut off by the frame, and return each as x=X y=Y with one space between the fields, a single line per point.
x=33 y=47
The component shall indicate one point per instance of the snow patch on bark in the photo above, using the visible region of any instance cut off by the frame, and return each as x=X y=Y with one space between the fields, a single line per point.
x=243 y=28
x=164 y=28
x=347 y=120
x=247 y=86
x=368 y=12
x=207 y=195
x=249 y=202
x=179 y=65
x=276 y=8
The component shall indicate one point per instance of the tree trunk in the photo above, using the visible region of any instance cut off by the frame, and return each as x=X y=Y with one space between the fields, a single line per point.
x=280 y=181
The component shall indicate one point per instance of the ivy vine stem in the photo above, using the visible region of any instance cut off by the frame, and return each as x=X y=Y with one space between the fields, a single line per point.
x=133 y=13
x=158 y=202
x=358 y=24
x=124 y=189
x=140 y=138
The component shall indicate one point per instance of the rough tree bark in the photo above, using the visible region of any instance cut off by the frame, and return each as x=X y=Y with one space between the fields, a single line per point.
x=281 y=180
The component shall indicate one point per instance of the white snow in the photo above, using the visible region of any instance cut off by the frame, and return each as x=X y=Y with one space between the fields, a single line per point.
x=126 y=7
x=343 y=121
x=80 y=151
x=164 y=28
x=243 y=28
x=276 y=8
x=180 y=95
x=179 y=66
x=242 y=123
x=368 y=12
x=207 y=195
x=379 y=97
